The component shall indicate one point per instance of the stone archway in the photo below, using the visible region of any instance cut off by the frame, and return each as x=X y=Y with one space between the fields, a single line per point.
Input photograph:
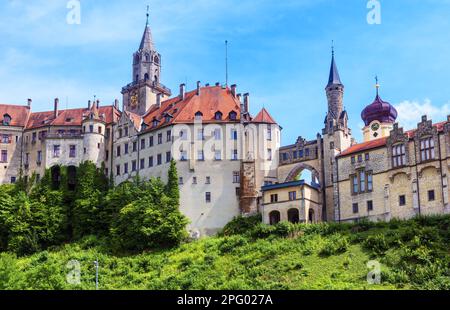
x=274 y=217
x=299 y=168
x=311 y=216
x=294 y=216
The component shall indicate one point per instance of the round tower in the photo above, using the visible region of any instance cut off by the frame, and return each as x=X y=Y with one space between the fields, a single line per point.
x=94 y=127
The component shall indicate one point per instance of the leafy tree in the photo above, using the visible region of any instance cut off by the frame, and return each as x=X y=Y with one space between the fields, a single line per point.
x=172 y=189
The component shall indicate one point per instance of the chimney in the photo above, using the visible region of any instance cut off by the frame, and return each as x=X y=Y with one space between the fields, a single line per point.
x=98 y=104
x=183 y=91
x=56 y=108
x=158 y=100
x=207 y=84
x=116 y=104
x=246 y=102
x=89 y=104
x=198 y=88
x=239 y=96
x=233 y=90
x=29 y=101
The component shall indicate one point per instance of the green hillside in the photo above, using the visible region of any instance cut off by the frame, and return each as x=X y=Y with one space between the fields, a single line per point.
x=413 y=255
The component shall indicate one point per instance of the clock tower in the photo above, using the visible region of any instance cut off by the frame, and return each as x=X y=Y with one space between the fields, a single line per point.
x=140 y=95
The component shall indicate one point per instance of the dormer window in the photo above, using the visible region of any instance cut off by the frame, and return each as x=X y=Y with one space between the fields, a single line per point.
x=155 y=122
x=168 y=117
x=233 y=116
x=199 y=116
x=218 y=116
x=6 y=120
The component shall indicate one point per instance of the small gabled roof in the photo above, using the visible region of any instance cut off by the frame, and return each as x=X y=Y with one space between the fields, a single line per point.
x=264 y=117
x=19 y=114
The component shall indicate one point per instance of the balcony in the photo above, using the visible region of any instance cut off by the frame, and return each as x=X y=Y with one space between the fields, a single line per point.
x=65 y=135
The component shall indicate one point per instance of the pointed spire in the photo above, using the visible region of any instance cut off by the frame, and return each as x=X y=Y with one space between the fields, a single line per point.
x=377 y=86
x=334 y=78
x=147 y=39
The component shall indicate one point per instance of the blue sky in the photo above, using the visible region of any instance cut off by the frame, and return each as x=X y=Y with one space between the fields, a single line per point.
x=279 y=51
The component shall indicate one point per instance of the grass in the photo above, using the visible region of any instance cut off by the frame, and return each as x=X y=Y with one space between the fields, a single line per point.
x=413 y=255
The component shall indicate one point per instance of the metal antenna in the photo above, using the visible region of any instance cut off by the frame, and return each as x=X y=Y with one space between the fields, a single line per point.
x=226 y=63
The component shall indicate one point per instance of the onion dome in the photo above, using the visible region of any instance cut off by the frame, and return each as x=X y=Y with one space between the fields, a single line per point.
x=379 y=110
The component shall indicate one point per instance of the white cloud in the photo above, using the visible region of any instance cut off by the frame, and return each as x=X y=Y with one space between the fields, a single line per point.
x=411 y=112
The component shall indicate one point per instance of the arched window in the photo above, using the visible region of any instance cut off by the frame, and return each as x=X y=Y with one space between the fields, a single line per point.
x=6 y=120
x=218 y=116
x=233 y=116
x=156 y=60
x=147 y=57
x=274 y=217
x=146 y=76
x=198 y=115
x=155 y=79
x=136 y=59
x=56 y=177
x=294 y=216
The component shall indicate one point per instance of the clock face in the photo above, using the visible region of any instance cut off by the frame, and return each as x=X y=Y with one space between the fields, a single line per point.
x=375 y=127
x=134 y=100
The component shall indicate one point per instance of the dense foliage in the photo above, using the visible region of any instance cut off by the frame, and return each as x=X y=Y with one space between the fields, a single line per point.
x=133 y=216
x=413 y=255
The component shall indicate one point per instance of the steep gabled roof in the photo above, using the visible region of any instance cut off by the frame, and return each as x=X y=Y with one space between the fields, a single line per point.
x=19 y=114
x=334 y=78
x=264 y=117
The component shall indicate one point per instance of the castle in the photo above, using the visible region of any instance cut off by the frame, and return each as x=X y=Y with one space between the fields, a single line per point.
x=231 y=162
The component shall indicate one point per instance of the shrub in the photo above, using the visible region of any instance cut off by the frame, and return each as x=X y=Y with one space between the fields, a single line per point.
x=334 y=245
x=228 y=244
x=241 y=225
x=377 y=244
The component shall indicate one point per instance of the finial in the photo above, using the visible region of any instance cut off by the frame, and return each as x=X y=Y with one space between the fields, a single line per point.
x=148 y=14
x=332 y=47
x=377 y=85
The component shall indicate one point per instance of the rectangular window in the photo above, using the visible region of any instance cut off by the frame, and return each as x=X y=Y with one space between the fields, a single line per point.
x=360 y=158
x=217 y=134
x=331 y=145
x=150 y=162
x=307 y=152
x=13 y=180
x=285 y=156
x=168 y=157
x=218 y=155
x=126 y=148
x=159 y=159
x=353 y=159
x=142 y=163
x=72 y=151
x=27 y=158
x=208 y=180
x=194 y=180
x=125 y=168
x=160 y=138
x=56 y=151
x=142 y=144
x=402 y=200
x=117 y=151
x=5 y=139
x=169 y=136
x=39 y=157
x=355 y=208
x=370 y=205
x=398 y=155
x=427 y=149
x=183 y=135
x=274 y=198
x=120 y=133
x=367 y=156
x=295 y=154
x=134 y=146
x=236 y=177
x=234 y=134
x=369 y=181
x=355 y=187
x=180 y=181
x=200 y=156
x=126 y=131
x=362 y=181
x=269 y=154
x=269 y=132
x=183 y=156
x=133 y=166
x=150 y=141
x=431 y=196
x=300 y=153
x=106 y=155
x=234 y=155
x=201 y=134
x=118 y=170
x=208 y=197
x=99 y=129
x=91 y=128
x=292 y=196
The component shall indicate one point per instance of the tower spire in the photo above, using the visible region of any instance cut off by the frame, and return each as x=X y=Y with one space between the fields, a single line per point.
x=147 y=39
x=377 y=85
x=334 y=78
x=148 y=14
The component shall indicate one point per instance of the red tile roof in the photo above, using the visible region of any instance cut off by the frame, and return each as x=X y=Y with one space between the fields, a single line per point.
x=370 y=145
x=19 y=114
x=212 y=99
x=71 y=117
x=264 y=117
